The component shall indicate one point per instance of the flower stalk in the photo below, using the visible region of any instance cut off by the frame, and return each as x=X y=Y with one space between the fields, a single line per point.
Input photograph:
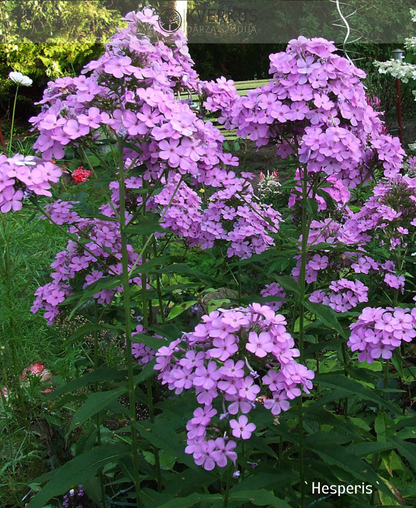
x=128 y=323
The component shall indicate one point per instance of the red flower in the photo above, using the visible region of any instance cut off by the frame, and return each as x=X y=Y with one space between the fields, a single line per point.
x=81 y=175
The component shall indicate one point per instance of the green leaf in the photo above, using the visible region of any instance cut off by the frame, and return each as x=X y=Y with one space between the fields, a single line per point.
x=180 y=308
x=183 y=268
x=350 y=387
x=162 y=435
x=171 y=331
x=365 y=449
x=325 y=344
x=149 y=266
x=311 y=206
x=185 y=502
x=190 y=481
x=101 y=374
x=105 y=218
x=94 y=161
x=152 y=342
x=78 y=471
x=405 y=422
x=324 y=194
x=397 y=361
x=145 y=226
x=95 y=403
x=136 y=148
x=407 y=450
x=336 y=455
x=87 y=329
x=262 y=481
x=264 y=256
x=104 y=283
x=380 y=427
x=259 y=497
x=146 y=373
x=326 y=314
x=288 y=283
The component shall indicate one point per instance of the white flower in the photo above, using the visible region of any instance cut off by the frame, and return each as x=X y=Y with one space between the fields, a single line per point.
x=20 y=79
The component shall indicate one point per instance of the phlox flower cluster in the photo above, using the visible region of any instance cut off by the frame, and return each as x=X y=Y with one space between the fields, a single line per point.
x=344 y=295
x=243 y=223
x=139 y=76
x=334 y=187
x=220 y=360
x=386 y=219
x=244 y=226
x=78 y=267
x=378 y=332
x=389 y=214
x=315 y=108
x=219 y=97
x=357 y=261
x=274 y=289
x=143 y=353
x=317 y=263
x=20 y=177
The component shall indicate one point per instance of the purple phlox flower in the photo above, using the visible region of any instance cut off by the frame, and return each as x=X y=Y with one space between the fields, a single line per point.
x=318 y=262
x=249 y=389
x=235 y=319
x=224 y=347
x=277 y=404
x=171 y=151
x=206 y=456
x=260 y=344
x=224 y=451
x=241 y=427
x=203 y=416
x=206 y=377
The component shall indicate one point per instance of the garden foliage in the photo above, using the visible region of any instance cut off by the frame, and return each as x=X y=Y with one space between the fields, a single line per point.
x=249 y=398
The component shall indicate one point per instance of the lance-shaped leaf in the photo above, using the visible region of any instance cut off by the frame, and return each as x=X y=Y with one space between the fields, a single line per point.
x=101 y=374
x=78 y=471
x=327 y=315
x=350 y=387
x=94 y=404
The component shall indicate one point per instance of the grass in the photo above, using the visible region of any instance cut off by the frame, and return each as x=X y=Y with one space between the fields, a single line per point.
x=27 y=247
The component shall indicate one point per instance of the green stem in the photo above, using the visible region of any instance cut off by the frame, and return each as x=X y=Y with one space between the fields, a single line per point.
x=128 y=324
x=151 y=236
x=155 y=450
x=386 y=376
x=158 y=287
x=12 y=126
x=227 y=488
x=239 y=284
x=302 y=284
x=144 y=297
x=96 y=388
x=345 y=361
